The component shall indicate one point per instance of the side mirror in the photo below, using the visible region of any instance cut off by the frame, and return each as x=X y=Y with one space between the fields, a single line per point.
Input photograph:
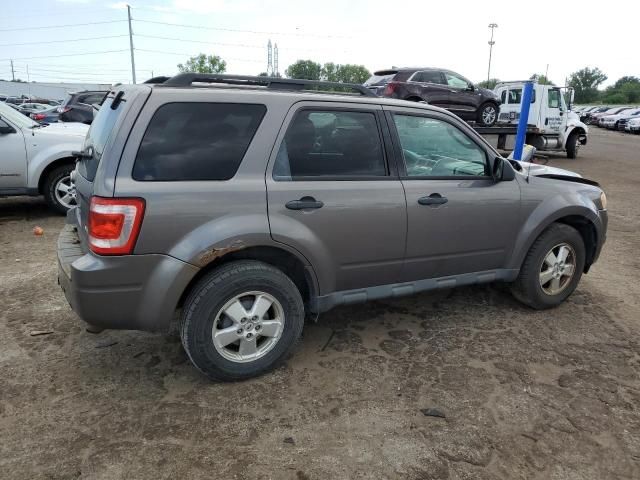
x=6 y=128
x=471 y=87
x=502 y=171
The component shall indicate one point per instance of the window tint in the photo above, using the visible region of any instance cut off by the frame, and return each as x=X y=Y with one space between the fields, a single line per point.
x=554 y=99
x=332 y=144
x=433 y=148
x=455 y=81
x=428 y=77
x=515 y=96
x=196 y=141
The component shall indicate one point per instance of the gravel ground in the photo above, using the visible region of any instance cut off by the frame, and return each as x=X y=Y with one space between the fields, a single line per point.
x=525 y=394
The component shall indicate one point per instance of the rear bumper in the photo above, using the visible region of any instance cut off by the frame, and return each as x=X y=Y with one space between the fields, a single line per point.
x=129 y=292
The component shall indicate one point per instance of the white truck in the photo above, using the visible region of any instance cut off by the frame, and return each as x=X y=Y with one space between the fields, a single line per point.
x=551 y=126
x=37 y=159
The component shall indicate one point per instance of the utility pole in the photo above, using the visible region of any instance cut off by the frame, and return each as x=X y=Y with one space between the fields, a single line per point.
x=133 y=62
x=275 y=61
x=492 y=26
x=13 y=75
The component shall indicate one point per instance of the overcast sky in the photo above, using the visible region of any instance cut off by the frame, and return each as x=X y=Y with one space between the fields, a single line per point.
x=566 y=35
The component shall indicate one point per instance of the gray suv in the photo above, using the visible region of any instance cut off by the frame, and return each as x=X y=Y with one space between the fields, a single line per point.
x=239 y=206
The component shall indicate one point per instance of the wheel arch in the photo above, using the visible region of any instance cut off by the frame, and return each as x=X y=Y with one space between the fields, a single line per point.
x=50 y=167
x=582 y=219
x=298 y=270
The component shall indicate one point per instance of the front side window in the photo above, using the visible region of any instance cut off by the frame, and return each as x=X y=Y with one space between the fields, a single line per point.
x=196 y=141
x=332 y=144
x=554 y=99
x=455 y=81
x=434 y=148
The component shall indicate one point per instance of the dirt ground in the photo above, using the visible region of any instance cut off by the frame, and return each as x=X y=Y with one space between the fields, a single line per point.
x=536 y=395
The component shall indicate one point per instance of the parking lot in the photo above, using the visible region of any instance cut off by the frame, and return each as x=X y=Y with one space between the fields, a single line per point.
x=524 y=394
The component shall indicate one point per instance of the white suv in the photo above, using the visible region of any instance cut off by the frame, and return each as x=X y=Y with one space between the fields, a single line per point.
x=37 y=158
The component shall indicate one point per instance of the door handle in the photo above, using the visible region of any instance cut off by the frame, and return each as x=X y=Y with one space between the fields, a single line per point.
x=304 y=203
x=433 y=199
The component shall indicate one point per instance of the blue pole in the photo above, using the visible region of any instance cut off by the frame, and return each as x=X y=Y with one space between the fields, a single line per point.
x=521 y=135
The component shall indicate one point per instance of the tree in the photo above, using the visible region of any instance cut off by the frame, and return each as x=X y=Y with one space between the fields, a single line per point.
x=585 y=82
x=490 y=84
x=304 y=69
x=350 y=73
x=627 y=79
x=203 y=64
x=541 y=79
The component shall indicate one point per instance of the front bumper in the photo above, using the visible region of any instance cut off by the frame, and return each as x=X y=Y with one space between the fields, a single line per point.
x=128 y=292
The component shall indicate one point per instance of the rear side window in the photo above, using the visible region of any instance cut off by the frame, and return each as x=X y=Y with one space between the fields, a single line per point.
x=428 y=76
x=330 y=144
x=196 y=141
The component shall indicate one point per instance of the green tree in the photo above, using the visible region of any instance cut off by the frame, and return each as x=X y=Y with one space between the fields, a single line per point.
x=490 y=84
x=350 y=73
x=585 y=82
x=627 y=79
x=304 y=69
x=203 y=63
x=541 y=79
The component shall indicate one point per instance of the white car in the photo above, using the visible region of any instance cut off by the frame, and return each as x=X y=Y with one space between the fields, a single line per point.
x=633 y=126
x=37 y=159
x=611 y=121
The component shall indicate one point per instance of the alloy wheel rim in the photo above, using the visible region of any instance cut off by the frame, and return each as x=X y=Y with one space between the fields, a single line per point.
x=248 y=326
x=65 y=192
x=488 y=115
x=557 y=269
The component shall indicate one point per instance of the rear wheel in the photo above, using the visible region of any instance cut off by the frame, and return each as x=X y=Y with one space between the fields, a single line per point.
x=59 y=191
x=552 y=268
x=573 y=145
x=241 y=320
x=488 y=115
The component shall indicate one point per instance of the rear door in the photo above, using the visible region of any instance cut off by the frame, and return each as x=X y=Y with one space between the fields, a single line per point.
x=334 y=196
x=434 y=87
x=459 y=219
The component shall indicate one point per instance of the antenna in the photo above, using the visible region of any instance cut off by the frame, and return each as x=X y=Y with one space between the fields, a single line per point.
x=276 y=73
x=269 y=59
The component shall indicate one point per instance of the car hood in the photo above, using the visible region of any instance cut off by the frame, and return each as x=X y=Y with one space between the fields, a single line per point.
x=65 y=129
x=538 y=170
x=487 y=93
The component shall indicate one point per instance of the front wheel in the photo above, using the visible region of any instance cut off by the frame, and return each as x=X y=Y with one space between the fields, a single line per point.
x=241 y=320
x=488 y=115
x=573 y=145
x=59 y=191
x=552 y=268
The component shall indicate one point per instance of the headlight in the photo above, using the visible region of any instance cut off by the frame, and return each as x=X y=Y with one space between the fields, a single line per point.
x=603 y=201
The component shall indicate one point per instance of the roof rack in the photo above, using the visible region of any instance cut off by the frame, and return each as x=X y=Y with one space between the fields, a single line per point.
x=186 y=79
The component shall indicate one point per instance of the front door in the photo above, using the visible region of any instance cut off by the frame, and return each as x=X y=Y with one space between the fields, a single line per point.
x=459 y=219
x=463 y=97
x=13 y=159
x=333 y=196
x=553 y=112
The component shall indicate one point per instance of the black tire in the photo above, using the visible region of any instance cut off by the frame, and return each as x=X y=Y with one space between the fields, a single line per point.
x=208 y=297
x=50 y=185
x=573 y=145
x=484 y=117
x=527 y=288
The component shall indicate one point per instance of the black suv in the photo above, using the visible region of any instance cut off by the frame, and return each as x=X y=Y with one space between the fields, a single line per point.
x=442 y=88
x=78 y=107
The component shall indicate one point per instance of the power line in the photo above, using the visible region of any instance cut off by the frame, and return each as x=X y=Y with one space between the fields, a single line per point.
x=190 y=54
x=60 y=26
x=202 y=27
x=199 y=41
x=65 y=55
x=60 y=41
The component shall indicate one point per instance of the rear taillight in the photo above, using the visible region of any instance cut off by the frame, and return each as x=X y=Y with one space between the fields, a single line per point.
x=389 y=89
x=38 y=116
x=114 y=224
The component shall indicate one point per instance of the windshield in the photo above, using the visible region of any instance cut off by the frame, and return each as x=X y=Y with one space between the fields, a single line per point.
x=98 y=135
x=15 y=117
x=379 y=79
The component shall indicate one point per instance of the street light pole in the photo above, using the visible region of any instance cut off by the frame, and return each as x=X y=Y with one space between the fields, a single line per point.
x=133 y=63
x=492 y=26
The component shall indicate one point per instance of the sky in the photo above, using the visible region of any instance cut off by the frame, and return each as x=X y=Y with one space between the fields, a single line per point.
x=93 y=44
